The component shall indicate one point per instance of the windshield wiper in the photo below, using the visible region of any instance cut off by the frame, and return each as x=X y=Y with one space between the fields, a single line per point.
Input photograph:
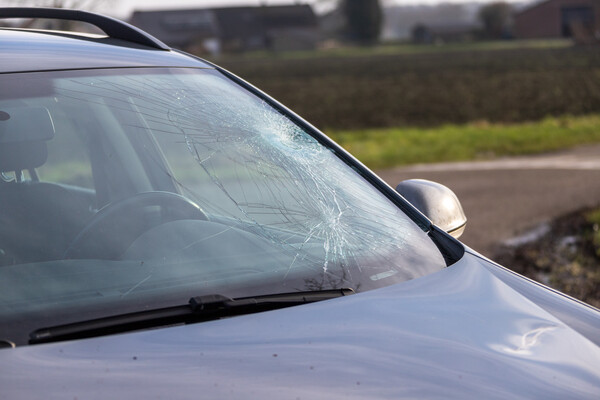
x=198 y=309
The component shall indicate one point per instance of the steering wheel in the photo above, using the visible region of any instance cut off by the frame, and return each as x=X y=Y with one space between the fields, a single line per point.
x=112 y=229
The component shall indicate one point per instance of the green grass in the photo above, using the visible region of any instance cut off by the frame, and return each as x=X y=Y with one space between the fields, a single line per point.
x=68 y=172
x=388 y=147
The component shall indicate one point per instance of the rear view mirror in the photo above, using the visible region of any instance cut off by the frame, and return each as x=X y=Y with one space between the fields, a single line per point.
x=437 y=202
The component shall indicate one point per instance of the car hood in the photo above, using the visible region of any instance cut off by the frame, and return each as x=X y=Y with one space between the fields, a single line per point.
x=459 y=333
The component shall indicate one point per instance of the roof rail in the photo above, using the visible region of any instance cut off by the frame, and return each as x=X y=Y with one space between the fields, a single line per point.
x=113 y=27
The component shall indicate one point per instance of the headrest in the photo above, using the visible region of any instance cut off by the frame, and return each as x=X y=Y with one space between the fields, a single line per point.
x=23 y=135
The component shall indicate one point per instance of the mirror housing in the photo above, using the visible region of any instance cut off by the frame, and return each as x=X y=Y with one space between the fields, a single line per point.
x=437 y=202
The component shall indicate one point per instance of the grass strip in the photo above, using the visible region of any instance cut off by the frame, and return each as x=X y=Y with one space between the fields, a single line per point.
x=389 y=147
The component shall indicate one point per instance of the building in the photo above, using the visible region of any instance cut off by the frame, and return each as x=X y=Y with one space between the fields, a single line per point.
x=400 y=21
x=577 y=19
x=234 y=29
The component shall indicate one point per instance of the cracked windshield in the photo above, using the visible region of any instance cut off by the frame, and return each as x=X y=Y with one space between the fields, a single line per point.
x=128 y=184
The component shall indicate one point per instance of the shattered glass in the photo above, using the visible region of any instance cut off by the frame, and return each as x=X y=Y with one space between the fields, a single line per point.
x=254 y=165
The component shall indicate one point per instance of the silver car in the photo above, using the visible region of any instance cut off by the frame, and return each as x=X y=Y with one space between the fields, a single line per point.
x=169 y=231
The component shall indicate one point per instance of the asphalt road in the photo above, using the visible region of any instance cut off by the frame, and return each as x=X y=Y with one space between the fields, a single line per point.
x=507 y=197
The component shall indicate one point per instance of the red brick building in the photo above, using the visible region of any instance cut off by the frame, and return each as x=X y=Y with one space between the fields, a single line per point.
x=579 y=19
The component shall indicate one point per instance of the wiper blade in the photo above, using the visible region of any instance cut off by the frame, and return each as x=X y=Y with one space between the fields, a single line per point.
x=198 y=309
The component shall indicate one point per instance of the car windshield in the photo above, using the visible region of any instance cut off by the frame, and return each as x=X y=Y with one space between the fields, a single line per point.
x=130 y=189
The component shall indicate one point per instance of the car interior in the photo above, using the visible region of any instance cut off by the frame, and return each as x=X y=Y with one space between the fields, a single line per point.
x=46 y=219
x=37 y=219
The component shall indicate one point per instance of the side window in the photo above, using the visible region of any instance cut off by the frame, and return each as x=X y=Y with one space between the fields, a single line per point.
x=68 y=155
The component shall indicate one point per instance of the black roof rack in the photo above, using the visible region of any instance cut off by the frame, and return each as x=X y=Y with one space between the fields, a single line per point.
x=113 y=27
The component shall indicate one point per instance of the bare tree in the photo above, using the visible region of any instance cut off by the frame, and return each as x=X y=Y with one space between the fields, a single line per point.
x=495 y=18
x=363 y=20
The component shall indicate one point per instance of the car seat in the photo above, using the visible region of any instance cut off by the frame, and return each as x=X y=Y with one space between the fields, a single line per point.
x=37 y=219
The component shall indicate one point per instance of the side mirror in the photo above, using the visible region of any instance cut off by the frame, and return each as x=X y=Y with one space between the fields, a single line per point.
x=437 y=202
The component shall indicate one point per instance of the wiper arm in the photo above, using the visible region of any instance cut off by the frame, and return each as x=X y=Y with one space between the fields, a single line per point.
x=198 y=309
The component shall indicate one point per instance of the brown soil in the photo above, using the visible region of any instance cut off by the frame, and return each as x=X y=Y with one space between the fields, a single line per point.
x=566 y=258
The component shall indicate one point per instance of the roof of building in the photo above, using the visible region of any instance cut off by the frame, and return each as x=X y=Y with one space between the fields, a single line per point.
x=177 y=27
x=540 y=3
